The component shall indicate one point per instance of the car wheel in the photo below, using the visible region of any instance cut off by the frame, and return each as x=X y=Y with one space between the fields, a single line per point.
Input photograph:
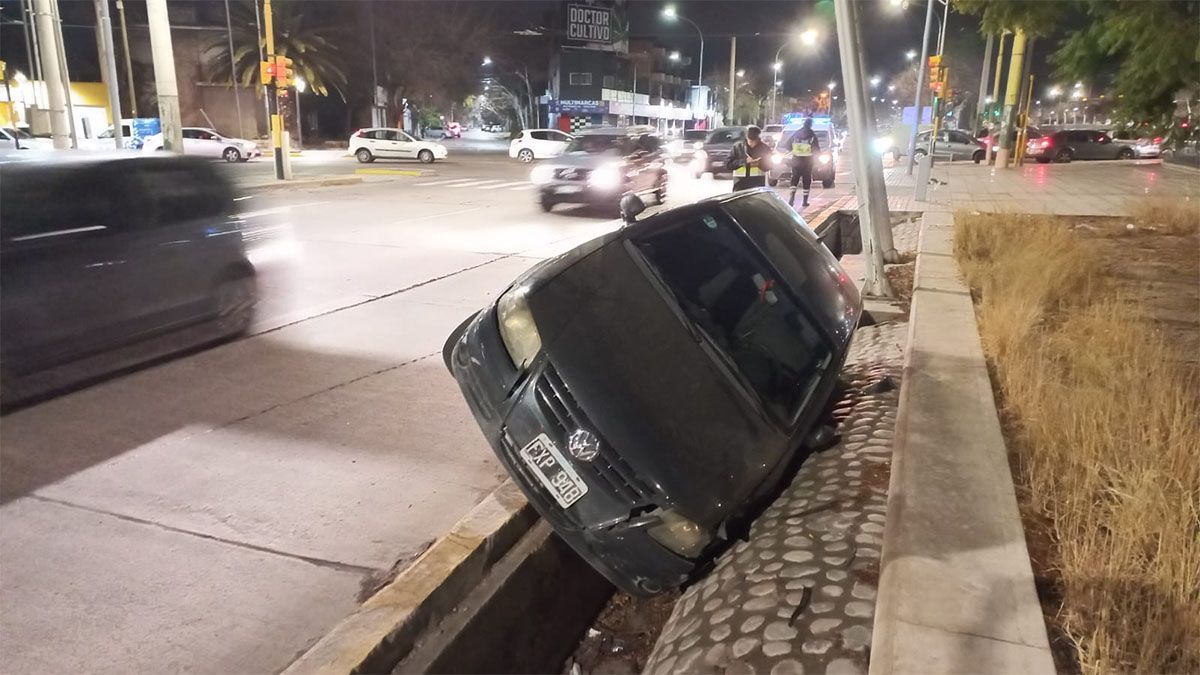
x=231 y=155
x=919 y=153
x=236 y=296
x=426 y=156
x=525 y=155
x=546 y=203
x=979 y=156
x=772 y=182
x=364 y=155
x=1125 y=153
x=1064 y=156
x=827 y=183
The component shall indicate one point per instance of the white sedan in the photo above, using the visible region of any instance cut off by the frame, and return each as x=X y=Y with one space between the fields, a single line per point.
x=202 y=142
x=367 y=145
x=19 y=139
x=538 y=144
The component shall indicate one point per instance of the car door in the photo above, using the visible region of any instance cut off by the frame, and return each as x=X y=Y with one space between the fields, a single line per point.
x=960 y=144
x=558 y=142
x=402 y=145
x=539 y=142
x=1103 y=146
x=64 y=264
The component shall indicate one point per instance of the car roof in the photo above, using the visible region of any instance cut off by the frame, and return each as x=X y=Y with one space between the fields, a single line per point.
x=636 y=130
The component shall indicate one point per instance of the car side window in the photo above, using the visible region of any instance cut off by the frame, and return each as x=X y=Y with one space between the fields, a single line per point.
x=560 y=136
x=41 y=204
x=397 y=135
x=191 y=134
x=179 y=193
x=539 y=135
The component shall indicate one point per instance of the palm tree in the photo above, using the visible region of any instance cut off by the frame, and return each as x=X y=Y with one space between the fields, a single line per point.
x=315 y=53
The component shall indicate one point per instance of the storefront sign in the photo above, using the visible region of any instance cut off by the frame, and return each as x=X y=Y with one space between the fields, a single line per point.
x=579 y=106
x=599 y=24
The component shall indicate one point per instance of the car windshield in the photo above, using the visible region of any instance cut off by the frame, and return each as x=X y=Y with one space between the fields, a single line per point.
x=823 y=140
x=592 y=144
x=721 y=136
x=694 y=135
x=773 y=128
x=737 y=300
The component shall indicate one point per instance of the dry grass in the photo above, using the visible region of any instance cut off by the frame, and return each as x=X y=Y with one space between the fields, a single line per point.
x=1106 y=435
x=1173 y=216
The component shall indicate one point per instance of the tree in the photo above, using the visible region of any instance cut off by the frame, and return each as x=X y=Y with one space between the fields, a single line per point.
x=313 y=47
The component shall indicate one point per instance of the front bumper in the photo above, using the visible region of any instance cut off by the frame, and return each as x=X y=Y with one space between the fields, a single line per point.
x=579 y=192
x=607 y=526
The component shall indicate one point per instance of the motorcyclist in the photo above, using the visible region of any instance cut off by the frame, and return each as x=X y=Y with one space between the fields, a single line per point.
x=804 y=146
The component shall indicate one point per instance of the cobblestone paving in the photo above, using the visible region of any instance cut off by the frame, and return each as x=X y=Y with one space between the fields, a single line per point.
x=799 y=596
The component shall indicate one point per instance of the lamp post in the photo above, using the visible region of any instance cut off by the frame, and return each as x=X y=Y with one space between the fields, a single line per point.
x=775 y=82
x=670 y=14
x=301 y=87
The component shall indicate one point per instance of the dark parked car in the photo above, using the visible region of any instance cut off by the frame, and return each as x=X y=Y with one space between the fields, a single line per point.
x=824 y=163
x=101 y=252
x=683 y=149
x=716 y=150
x=602 y=164
x=649 y=388
x=1064 y=146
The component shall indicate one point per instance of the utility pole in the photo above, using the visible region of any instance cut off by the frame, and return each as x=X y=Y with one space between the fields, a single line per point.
x=36 y=63
x=983 y=77
x=237 y=97
x=1015 y=65
x=66 y=72
x=163 y=53
x=921 y=67
x=52 y=72
x=108 y=61
x=26 y=28
x=273 y=95
x=872 y=195
x=128 y=59
x=991 y=148
x=732 y=75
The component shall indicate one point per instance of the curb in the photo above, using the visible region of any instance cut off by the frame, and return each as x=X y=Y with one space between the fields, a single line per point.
x=956 y=588
x=385 y=627
x=302 y=183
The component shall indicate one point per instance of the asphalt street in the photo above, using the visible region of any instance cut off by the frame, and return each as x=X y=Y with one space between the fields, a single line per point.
x=220 y=511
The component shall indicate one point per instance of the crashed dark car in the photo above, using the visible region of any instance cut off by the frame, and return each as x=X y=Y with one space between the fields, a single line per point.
x=647 y=388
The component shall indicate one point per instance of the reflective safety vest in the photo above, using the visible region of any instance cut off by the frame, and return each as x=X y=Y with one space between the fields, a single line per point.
x=801 y=148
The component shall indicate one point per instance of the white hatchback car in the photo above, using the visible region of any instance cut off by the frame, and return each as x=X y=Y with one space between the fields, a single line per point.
x=383 y=143
x=204 y=142
x=538 y=144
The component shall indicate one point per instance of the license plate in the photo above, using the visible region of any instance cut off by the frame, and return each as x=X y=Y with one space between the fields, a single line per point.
x=569 y=189
x=553 y=471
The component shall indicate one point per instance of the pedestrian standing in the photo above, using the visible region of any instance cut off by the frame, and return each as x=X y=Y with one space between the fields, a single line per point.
x=749 y=161
x=804 y=146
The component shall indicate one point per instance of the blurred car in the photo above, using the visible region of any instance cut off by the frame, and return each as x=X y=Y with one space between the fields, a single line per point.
x=367 y=145
x=204 y=142
x=20 y=139
x=538 y=144
x=824 y=163
x=102 y=251
x=1149 y=147
x=683 y=149
x=103 y=142
x=454 y=130
x=771 y=134
x=715 y=152
x=649 y=388
x=602 y=164
x=952 y=144
x=1071 y=144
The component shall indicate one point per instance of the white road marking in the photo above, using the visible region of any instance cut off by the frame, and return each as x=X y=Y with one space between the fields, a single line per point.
x=519 y=183
x=481 y=183
x=523 y=186
x=445 y=182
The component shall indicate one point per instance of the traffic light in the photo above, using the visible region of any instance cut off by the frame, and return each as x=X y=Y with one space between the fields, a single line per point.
x=935 y=71
x=285 y=76
x=266 y=70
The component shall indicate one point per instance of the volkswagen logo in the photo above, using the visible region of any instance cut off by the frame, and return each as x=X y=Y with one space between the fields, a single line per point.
x=583 y=445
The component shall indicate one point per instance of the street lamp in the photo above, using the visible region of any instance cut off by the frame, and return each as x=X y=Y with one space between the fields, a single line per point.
x=832 y=85
x=809 y=37
x=301 y=87
x=487 y=60
x=670 y=14
x=891 y=87
x=741 y=73
x=910 y=54
x=875 y=80
x=674 y=56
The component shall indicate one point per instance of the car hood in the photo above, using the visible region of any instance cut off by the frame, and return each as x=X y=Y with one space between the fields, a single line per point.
x=650 y=389
x=586 y=160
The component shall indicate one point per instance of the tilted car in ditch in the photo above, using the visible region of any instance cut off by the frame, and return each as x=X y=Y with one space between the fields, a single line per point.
x=649 y=388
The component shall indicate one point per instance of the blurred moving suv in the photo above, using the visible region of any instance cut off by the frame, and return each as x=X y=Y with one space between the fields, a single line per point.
x=100 y=252
x=1067 y=145
x=649 y=388
x=601 y=165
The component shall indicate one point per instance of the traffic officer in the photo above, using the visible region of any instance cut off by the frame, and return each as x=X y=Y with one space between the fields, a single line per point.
x=749 y=160
x=804 y=146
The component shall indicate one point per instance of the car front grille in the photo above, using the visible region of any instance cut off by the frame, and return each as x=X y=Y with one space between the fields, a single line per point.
x=608 y=469
x=571 y=173
x=543 y=501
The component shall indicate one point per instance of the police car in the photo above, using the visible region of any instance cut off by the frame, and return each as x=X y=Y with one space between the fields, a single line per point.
x=825 y=159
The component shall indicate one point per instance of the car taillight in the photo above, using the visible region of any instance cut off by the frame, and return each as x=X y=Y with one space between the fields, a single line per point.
x=1157 y=140
x=358 y=134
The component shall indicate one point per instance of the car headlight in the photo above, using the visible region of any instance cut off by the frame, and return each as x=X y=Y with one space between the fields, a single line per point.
x=679 y=534
x=541 y=175
x=882 y=145
x=517 y=328
x=824 y=158
x=697 y=145
x=607 y=177
x=777 y=158
x=700 y=155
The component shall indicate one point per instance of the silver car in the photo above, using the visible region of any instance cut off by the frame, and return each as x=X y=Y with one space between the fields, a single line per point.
x=952 y=144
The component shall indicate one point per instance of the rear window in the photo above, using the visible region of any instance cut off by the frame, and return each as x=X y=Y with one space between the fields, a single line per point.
x=735 y=299
x=694 y=135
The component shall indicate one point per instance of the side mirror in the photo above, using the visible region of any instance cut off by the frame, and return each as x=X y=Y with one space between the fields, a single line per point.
x=631 y=206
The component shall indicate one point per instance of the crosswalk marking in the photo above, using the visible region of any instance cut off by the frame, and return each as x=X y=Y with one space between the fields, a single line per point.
x=510 y=185
x=481 y=183
x=523 y=186
x=446 y=182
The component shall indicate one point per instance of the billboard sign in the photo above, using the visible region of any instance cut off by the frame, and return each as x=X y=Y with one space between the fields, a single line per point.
x=597 y=25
